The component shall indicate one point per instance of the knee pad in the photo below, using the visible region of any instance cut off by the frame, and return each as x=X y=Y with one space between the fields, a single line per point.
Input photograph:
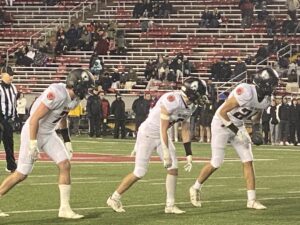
x=139 y=172
x=216 y=162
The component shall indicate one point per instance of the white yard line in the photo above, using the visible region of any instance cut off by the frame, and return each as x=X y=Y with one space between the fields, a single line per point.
x=148 y=205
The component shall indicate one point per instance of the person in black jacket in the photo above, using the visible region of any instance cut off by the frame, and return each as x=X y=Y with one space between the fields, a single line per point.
x=274 y=123
x=265 y=120
x=118 y=110
x=94 y=112
x=141 y=108
x=284 y=119
x=294 y=121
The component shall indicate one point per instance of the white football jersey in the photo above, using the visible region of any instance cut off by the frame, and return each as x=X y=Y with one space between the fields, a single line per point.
x=246 y=96
x=175 y=105
x=58 y=100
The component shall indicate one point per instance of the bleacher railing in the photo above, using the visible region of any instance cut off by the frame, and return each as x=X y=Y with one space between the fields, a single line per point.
x=43 y=33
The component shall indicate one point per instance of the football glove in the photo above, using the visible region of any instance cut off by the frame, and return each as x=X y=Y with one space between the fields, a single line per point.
x=69 y=149
x=33 y=150
x=189 y=165
x=257 y=138
x=243 y=137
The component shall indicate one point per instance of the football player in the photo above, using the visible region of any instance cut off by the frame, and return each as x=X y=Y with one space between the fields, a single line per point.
x=152 y=135
x=245 y=101
x=38 y=134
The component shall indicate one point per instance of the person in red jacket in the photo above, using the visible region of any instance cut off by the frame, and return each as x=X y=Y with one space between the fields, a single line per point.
x=105 y=113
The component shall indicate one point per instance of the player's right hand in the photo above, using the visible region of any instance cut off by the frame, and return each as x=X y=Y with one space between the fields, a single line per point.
x=33 y=150
x=167 y=160
x=243 y=137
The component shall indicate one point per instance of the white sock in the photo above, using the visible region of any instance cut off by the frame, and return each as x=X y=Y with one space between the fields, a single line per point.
x=251 y=195
x=197 y=185
x=65 y=191
x=116 y=195
x=171 y=182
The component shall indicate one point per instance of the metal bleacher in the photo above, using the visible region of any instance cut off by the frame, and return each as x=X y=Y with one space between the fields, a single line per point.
x=178 y=33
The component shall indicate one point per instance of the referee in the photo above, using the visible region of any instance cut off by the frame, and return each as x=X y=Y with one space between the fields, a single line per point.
x=8 y=114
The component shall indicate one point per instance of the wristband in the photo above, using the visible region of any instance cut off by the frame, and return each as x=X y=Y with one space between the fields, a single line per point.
x=187 y=148
x=65 y=134
x=233 y=128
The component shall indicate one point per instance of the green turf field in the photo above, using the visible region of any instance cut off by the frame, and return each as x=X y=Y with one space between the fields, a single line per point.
x=36 y=200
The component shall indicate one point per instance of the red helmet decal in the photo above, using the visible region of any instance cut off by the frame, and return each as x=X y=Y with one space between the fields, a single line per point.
x=50 y=95
x=171 y=98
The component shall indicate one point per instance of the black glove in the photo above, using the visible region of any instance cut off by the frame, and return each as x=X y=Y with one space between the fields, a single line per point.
x=257 y=138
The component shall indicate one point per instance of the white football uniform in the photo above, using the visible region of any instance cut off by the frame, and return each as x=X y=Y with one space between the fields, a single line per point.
x=246 y=96
x=148 y=137
x=57 y=99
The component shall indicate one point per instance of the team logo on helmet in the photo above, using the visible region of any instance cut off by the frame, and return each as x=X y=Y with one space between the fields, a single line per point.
x=84 y=76
x=194 y=85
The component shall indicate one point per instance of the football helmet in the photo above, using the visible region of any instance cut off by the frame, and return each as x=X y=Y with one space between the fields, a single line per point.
x=81 y=81
x=194 y=89
x=266 y=81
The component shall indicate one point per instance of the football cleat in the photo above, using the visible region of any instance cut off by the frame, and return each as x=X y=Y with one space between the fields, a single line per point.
x=115 y=204
x=195 y=197
x=253 y=204
x=173 y=210
x=69 y=214
x=2 y=214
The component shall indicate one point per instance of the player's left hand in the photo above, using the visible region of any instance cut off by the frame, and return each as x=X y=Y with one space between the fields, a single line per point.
x=188 y=166
x=69 y=148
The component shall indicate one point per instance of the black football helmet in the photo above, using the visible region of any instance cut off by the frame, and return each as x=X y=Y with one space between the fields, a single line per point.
x=266 y=81
x=81 y=81
x=194 y=89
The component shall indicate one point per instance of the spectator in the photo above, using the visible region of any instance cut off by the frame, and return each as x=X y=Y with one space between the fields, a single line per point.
x=274 y=122
x=225 y=70
x=97 y=67
x=120 y=42
x=102 y=46
x=262 y=14
x=274 y=45
x=138 y=9
x=105 y=106
x=74 y=119
x=240 y=67
x=262 y=54
x=149 y=69
x=206 y=17
x=2 y=13
x=72 y=37
x=206 y=115
x=288 y=26
x=165 y=9
x=21 y=109
x=188 y=67
x=294 y=121
x=140 y=107
x=94 y=113
x=292 y=76
x=271 y=26
x=284 y=121
x=61 y=46
x=85 y=41
x=216 y=19
x=60 y=32
x=112 y=29
x=292 y=6
x=246 y=8
x=118 y=110
x=106 y=82
x=248 y=60
x=115 y=78
x=265 y=121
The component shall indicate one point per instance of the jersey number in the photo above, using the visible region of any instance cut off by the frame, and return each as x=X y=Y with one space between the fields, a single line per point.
x=244 y=112
x=63 y=113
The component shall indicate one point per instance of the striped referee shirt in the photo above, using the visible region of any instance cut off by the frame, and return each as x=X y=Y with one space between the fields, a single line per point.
x=8 y=101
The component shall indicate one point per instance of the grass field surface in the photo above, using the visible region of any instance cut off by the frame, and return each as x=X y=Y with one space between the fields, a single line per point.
x=36 y=200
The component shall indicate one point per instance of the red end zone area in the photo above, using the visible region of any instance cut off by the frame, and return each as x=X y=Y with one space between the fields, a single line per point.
x=102 y=158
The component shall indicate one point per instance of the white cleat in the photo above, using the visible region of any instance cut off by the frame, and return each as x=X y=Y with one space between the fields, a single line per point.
x=173 y=210
x=195 y=197
x=115 y=204
x=69 y=214
x=253 y=204
x=2 y=214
